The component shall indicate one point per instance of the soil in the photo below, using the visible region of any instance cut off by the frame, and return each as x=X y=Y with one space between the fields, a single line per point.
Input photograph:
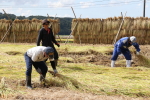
x=58 y=93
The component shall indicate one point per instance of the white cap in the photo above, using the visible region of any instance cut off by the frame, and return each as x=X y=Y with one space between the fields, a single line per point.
x=132 y=39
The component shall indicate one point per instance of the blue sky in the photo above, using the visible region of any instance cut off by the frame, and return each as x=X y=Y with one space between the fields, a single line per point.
x=83 y=8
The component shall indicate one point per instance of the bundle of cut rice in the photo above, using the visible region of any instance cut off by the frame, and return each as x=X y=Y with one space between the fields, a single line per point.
x=139 y=23
x=109 y=23
x=142 y=60
x=148 y=23
x=104 y=22
x=127 y=23
x=74 y=26
x=144 y=24
x=34 y=23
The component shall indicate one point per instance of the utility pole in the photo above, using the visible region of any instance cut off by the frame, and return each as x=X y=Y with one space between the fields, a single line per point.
x=144 y=8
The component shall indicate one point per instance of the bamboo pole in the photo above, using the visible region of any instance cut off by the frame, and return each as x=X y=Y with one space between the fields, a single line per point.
x=76 y=18
x=10 y=20
x=119 y=27
x=6 y=14
x=72 y=31
x=73 y=12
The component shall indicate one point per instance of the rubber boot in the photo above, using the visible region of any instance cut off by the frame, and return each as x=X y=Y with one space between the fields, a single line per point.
x=28 y=82
x=112 y=63
x=128 y=63
x=56 y=61
x=42 y=77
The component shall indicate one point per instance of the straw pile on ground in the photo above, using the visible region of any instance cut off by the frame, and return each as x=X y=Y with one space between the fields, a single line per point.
x=96 y=31
x=142 y=60
x=24 y=31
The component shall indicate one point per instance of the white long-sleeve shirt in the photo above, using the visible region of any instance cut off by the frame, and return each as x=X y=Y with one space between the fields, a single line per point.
x=37 y=53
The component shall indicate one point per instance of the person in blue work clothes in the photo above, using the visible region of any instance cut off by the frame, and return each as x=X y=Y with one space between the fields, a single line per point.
x=36 y=57
x=121 y=47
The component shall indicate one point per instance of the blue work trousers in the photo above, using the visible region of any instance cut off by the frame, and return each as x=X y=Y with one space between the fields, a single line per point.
x=41 y=65
x=125 y=52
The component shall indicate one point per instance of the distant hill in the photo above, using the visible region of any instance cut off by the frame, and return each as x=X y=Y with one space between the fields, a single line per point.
x=65 y=22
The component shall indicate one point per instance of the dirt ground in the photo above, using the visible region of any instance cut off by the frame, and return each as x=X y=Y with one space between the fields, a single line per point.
x=98 y=58
x=58 y=93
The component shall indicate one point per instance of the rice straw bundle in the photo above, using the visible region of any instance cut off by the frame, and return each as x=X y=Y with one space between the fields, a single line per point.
x=34 y=23
x=85 y=24
x=109 y=36
x=109 y=23
x=127 y=23
x=26 y=25
x=139 y=23
x=148 y=23
x=79 y=27
x=57 y=26
x=1 y=23
x=147 y=41
x=114 y=23
x=104 y=21
x=74 y=26
x=4 y=24
x=144 y=61
x=39 y=25
x=144 y=23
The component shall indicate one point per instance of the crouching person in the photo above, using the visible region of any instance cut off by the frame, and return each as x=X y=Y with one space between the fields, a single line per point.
x=36 y=57
x=121 y=47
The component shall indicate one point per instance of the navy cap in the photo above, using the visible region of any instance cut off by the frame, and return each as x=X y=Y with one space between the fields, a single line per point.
x=45 y=21
x=49 y=51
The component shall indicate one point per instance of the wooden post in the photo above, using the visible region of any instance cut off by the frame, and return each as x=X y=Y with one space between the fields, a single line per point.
x=72 y=31
x=119 y=27
x=77 y=22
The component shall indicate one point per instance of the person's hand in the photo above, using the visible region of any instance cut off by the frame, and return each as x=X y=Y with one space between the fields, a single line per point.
x=137 y=53
x=121 y=55
x=58 y=44
x=55 y=72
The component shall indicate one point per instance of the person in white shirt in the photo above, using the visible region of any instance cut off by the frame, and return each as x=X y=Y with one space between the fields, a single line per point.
x=36 y=57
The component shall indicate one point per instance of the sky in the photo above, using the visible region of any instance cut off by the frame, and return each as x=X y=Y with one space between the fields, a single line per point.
x=81 y=8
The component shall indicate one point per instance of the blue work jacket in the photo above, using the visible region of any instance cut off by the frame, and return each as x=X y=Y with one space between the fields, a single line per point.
x=123 y=45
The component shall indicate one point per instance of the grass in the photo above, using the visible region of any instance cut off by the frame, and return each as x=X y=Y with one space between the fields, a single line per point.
x=84 y=77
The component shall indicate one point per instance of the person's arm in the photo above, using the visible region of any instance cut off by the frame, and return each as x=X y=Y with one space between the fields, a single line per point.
x=136 y=45
x=39 y=37
x=53 y=38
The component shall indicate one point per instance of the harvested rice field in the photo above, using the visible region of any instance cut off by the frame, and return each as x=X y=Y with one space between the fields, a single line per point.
x=84 y=74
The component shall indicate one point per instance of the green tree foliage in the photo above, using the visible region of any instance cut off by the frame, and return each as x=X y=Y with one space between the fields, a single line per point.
x=65 y=23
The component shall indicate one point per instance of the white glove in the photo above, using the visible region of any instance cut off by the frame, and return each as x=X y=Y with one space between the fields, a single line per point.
x=137 y=53
x=55 y=71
